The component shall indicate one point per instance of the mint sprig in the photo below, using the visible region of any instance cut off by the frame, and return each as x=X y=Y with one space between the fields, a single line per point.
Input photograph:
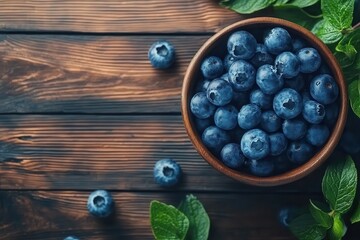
x=190 y=221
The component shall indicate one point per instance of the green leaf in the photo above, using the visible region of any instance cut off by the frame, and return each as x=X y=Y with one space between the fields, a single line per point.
x=347 y=48
x=339 y=184
x=167 y=222
x=355 y=217
x=338 y=228
x=280 y=2
x=198 y=218
x=302 y=3
x=326 y=32
x=295 y=14
x=246 y=6
x=321 y=217
x=304 y=227
x=354 y=96
x=339 y=13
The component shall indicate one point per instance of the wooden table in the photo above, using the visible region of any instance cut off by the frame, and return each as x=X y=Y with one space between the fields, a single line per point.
x=82 y=109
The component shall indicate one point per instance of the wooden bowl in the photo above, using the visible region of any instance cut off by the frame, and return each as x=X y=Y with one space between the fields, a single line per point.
x=216 y=45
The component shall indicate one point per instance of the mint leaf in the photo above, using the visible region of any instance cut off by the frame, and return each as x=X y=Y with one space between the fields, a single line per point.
x=246 y=6
x=295 y=14
x=321 y=217
x=338 y=228
x=304 y=227
x=280 y=2
x=326 y=32
x=356 y=215
x=347 y=48
x=302 y=3
x=198 y=218
x=354 y=96
x=339 y=13
x=339 y=184
x=167 y=222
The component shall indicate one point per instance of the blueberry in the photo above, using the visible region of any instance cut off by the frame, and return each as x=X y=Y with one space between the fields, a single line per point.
x=229 y=60
x=242 y=75
x=270 y=122
x=261 y=56
x=71 y=238
x=226 y=117
x=219 y=92
x=167 y=172
x=249 y=116
x=240 y=98
x=331 y=113
x=278 y=40
x=278 y=143
x=225 y=77
x=268 y=80
x=349 y=141
x=313 y=112
x=294 y=129
x=261 y=168
x=215 y=138
x=202 y=86
x=264 y=101
x=310 y=60
x=161 y=55
x=317 y=135
x=201 y=107
x=297 y=83
x=202 y=124
x=100 y=204
x=324 y=89
x=287 y=64
x=299 y=152
x=297 y=44
x=212 y=67
x=282 y=163
x=242 y=44
x=232 y=156
x=287 y=103
x=288 y=214
x=255 y=144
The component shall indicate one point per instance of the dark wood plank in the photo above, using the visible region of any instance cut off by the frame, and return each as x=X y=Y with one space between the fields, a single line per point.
x=51 y=73
x=55 y=215
x=115 y=16
x=113 y=152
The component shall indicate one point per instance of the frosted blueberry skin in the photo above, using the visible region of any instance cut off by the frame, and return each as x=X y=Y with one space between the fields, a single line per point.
x=201 y=107
x=278 y=40
x=232 y=156
x=242 y=45
x=249 y=116
x=264 y=101
x=313 y=112
x=268 y=80
x=310 y=60
x=255 y=144
x=278 y=143
x=226 y=117
x=270 y=122
x=229 y=60
x=100 y=204
x=215 y=139
x=287 y=65
x=294 y=129
x=262 y=56
x=299 y=152
x=261 y=168
x=287 y=103
x=242 y=76
x=212 y=67
x=219 y=92
x=161 y=55
x=317 y=135
x=167 y=172
x=324 y=89
x=297 y=44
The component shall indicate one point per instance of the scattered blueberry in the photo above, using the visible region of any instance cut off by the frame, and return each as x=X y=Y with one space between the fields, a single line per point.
x=100 y=204
x=219 y=92
x=255 y=144
x=167 y=172
x=287 y=103
x=242 y=75
x=161 y=55
x=294 y=129
x=201 y=107
x=297 y=44
x=270 y=122
x=226 y=117
x=324 y=89
x=278 y=40
x=268 y=80
x=264 y=101
x=287 y=65
x=242 y=44
x=215 y=138
x=261 y=168
x=317 y=135
x=310 y=60
x=313 y=112
x=299 y=152
x=71 y=238
x=232 y=156
x=261 y=56
x=229 y=60
x=212 y=67
x=249 y=116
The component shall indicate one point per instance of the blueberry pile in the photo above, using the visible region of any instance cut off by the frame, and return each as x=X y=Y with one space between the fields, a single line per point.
x=267 y=104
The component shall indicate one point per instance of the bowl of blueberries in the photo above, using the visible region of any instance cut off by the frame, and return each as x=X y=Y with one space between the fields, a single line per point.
x=264 y=101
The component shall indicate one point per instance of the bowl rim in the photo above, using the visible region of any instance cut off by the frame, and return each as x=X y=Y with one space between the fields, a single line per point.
x=300 y=171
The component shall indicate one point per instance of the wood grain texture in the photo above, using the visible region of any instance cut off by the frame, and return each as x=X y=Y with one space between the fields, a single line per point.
x=55 y=215
x=115 y=16
x=92 y=74
x=113 y=152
